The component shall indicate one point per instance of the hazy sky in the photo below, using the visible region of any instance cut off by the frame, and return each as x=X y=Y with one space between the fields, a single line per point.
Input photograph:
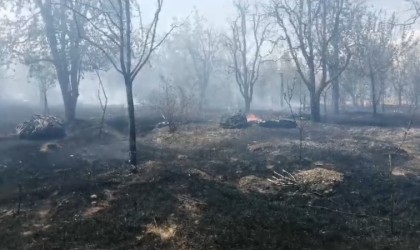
x=218 y=11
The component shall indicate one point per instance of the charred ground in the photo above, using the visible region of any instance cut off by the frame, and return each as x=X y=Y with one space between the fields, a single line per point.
x=207 y=188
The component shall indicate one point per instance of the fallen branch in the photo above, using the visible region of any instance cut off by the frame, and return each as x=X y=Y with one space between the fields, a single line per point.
x=285 y=179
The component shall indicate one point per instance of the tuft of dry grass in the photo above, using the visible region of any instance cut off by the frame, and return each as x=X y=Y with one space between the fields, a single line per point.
x=165 y=232
x=49 y=147
x=319 y=175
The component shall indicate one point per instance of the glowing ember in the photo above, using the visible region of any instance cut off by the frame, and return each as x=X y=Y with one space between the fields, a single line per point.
x=253 y=118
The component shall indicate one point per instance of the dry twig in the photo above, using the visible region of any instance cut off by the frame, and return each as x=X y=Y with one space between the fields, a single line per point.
x=285 y=179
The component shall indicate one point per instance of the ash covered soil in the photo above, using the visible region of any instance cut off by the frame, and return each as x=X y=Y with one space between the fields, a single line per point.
x=205 y=187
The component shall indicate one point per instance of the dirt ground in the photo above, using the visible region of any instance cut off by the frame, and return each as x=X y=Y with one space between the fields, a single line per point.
x=209 y=188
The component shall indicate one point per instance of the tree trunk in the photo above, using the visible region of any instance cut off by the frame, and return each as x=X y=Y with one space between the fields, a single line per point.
x=69 y=98
x=325 y=106
x=282 y=90
x=315 y=107
x=374 y=108
x=354 y=100
x=336 y=96
x=69 y=107
x=132 y=122
x=247 y=104
x=203 y=90
x=46 y=109
x=343 y=101
x=399 y=98
x=202 y=99
x=382 y=95
x=335 y=71
x=382 y=100
x=373 y=90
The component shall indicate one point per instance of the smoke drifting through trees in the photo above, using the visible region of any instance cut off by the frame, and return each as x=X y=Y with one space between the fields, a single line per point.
x=344 y=51
x=245 y=47
x=113 y=30
x=310 y=28
x=44 y=31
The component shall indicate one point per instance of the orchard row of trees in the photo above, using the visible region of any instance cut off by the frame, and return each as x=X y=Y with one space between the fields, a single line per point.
x=345 y=49
x=360 y=53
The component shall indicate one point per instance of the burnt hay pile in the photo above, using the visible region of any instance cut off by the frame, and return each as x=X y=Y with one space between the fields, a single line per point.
x=41 y=127
x=318 y=180
x=240 y=121
x=278 y=124
x=235 y=121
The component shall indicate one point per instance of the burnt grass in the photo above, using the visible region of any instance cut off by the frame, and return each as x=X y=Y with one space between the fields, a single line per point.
x=188 y=191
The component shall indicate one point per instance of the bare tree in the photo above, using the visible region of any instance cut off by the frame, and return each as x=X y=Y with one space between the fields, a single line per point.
x=342 y=32
x=353 y=84
x=380 y=41
x=44 y=75
x=306 y=26
x=413 y=76
x=399 y=78
x=118 y=27
x=203 y=44
x=333 y=63
x=43 y=31
x=245 y=46
x=375 y=53
x=174 y=103
x=415 y=6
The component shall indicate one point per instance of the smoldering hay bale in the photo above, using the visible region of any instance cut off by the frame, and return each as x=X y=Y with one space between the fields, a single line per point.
x=41 y=127
x=285 y=123
x=235 y=121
